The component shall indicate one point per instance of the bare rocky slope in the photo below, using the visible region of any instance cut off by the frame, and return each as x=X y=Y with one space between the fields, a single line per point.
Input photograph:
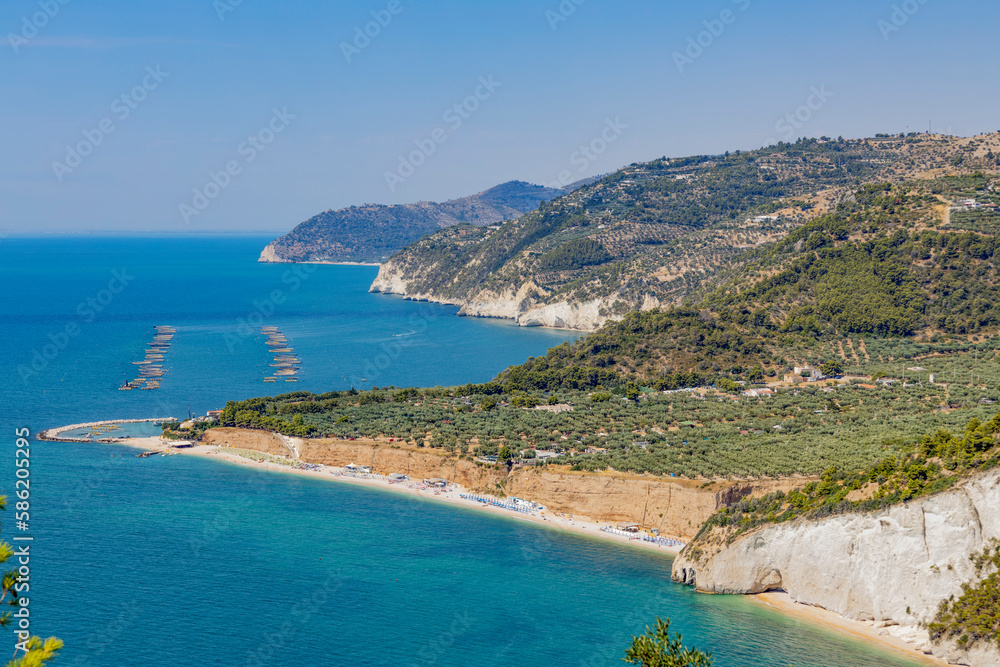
x=892 y=567
x=373 y=232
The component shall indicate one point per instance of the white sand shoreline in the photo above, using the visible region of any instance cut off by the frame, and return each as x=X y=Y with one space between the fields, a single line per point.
x=780 y=602
x=451 y=495
x=783 y=603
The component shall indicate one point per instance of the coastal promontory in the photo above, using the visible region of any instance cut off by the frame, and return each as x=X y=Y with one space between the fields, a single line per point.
x=373 y=232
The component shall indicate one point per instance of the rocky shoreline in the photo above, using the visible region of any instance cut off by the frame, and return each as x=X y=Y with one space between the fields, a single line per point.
x=517 y=306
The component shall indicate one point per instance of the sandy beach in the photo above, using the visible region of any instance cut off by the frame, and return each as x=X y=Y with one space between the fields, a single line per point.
x=869 y=632
x=778 y=601
x=451 y=495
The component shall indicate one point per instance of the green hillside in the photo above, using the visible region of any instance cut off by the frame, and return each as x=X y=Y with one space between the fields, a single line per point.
x=892 y=279
x=669 y=230
x=631 y=427
x=373 y=232
x=882 y=266
x=882 y=263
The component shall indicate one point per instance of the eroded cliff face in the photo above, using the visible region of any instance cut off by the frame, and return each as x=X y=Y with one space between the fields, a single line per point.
x=270 y=255
x=523 y=305
x=417 y=463
x=389 y=280
x=892 y=567
x=677 y=507
x=258 y=441
x=387 y=458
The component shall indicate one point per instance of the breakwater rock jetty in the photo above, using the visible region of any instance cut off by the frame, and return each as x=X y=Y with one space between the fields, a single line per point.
x=55 y=434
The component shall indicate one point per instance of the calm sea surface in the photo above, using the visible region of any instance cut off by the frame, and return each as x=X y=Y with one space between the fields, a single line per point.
x=186 y=562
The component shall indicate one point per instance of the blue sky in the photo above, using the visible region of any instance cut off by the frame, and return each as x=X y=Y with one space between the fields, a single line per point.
x=210 y=84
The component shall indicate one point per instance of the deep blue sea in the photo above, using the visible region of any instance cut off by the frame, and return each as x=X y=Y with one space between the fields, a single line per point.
x=187 y=562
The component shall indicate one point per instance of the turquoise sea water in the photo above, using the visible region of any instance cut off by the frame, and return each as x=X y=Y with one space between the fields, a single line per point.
x=182 y=561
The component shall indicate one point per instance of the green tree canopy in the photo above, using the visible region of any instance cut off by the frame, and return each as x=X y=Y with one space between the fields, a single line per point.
x=832 y=368
x=35 y=652
x=657 y=648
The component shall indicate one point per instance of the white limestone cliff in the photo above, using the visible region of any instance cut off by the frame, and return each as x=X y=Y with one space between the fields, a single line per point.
x=522 y=305
x=892 y=568
x=269 y=256
x=388 y=281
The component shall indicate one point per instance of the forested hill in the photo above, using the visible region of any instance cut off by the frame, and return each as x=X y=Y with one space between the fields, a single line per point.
x=373 y=232
x=655 y=234
x=889 y=263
